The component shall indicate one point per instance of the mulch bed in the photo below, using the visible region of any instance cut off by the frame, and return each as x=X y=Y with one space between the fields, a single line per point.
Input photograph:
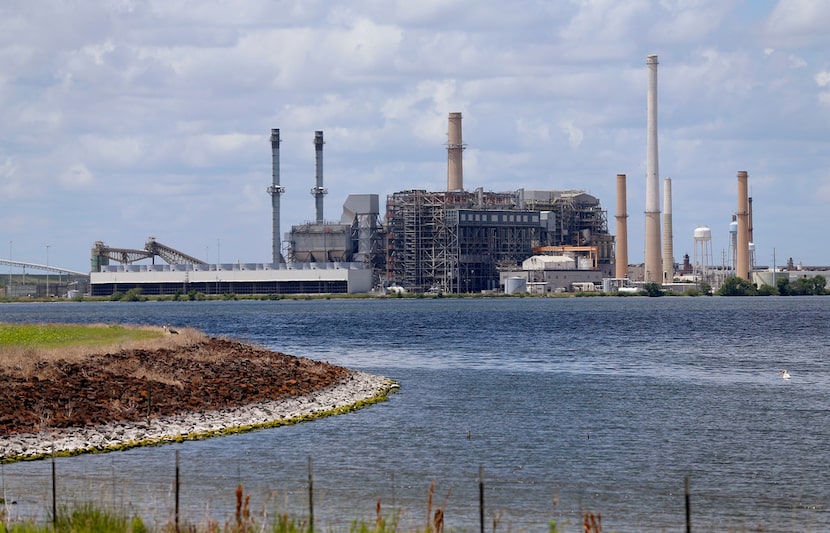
x=132 y=385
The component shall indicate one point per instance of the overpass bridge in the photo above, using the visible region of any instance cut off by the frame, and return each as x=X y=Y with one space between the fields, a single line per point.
x=43 y=268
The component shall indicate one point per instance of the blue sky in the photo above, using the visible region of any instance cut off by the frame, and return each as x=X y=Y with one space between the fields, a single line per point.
x=125 y=119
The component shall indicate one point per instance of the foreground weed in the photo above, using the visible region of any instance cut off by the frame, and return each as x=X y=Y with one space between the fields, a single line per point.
x=381 y=524
x=87 y=518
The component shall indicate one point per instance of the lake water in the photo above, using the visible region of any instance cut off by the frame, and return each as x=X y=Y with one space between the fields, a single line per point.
x=567 y=405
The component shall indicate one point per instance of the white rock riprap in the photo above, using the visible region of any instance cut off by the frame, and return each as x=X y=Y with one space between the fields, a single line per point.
x=356 y=390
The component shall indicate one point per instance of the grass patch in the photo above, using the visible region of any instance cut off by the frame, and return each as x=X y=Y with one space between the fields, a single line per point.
x=67 y=335
x=24 y=346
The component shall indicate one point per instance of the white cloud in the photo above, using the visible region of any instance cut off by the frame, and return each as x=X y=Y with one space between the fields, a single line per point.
x=112 y=151
x=799 y=23
x=98 y=51
x=796 y=62
x=173 y=102
x=575 y=135
x=11 y=183
x=77 y=176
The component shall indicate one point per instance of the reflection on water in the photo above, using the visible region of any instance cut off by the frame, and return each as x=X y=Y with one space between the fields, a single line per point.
x=600 y=404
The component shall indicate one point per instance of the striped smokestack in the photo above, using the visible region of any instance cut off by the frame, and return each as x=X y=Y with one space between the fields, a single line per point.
x=668 y=237
x=621 y=258
x=742 y=248
x=653 y=264
x=455 y=147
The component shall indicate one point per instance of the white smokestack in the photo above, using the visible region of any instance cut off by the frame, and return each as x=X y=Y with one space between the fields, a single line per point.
x=653 y=264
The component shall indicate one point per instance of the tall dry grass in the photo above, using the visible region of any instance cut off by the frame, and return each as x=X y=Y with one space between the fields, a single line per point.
x=25 y=361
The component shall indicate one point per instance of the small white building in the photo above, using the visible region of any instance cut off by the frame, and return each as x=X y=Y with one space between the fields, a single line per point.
x=553 y=274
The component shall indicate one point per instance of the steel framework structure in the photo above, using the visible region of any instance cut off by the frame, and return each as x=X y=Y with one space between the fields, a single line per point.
x=103 y=254
x=457 y=241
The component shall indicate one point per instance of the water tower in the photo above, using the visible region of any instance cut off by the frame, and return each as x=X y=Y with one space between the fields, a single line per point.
x=703 y=252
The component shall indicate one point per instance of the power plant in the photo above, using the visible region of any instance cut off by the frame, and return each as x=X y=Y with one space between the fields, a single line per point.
x=454 y=241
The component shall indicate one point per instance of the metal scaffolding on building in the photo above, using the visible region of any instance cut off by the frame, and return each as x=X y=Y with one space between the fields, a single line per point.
x=457 y=241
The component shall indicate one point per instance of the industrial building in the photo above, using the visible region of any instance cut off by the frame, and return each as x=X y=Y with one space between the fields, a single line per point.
x=322 y=257
x=462 y=241
x=451 y=241
x=182 y=274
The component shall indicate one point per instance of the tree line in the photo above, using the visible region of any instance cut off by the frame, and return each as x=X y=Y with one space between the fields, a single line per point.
x=735 y=286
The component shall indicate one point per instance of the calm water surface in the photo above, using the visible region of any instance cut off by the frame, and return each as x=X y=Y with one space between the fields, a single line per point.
x=568 y=405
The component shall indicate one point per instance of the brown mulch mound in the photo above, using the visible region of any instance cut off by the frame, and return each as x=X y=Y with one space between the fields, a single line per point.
x=133 y=384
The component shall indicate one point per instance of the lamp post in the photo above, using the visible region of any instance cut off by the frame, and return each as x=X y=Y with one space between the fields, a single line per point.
x=10 y=268
x=47 y=271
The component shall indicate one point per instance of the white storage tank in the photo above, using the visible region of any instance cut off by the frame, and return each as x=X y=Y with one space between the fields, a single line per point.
x=515 y=284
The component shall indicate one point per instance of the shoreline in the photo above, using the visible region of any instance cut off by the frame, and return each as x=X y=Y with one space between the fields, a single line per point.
x=354 y=391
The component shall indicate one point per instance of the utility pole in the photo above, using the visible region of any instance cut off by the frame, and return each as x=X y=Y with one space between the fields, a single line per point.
x=774 y=284
x=47 y=271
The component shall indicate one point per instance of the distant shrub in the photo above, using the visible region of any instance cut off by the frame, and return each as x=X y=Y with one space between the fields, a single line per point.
x=653 y=289
x=767 y=290
x=134 y=295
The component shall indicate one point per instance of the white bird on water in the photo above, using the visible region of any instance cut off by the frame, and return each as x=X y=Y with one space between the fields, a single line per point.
x=785 y=374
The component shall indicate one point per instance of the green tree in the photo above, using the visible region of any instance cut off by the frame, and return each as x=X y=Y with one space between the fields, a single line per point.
x=783 y=284
x=809 y=286
x=819 y=284
x=133 y=295
x=767 y=290
x=653 y=289
x=735 y=286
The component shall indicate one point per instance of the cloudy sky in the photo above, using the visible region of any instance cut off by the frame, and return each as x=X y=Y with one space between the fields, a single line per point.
x=125 y=119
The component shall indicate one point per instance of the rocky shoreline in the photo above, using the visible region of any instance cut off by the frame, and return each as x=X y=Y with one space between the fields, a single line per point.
x=356 y=390
x=132 y=398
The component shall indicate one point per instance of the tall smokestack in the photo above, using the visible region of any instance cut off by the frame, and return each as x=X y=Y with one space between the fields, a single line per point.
x=742 y=252
x=455 y=147
x=275 y=190
x=653 y=265
x=668 y=237
x=750 y=235
x=621 y=259
x=318 y=191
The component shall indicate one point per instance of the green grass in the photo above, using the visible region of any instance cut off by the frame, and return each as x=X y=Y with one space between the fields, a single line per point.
x=68 y=335
x=91 y=518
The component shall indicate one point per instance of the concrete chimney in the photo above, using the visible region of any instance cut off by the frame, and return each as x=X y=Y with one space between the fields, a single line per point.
x=621 y=258
x=318 y=191
x=751 y=235
x=275 y=190
x=668 y=237
x=653 y=263
x=742 y=251
x=455 y=147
